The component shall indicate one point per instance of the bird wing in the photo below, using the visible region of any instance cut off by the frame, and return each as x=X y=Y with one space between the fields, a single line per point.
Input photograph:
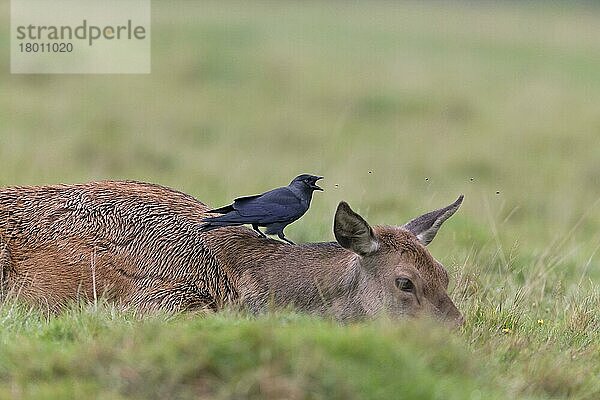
x=244 y=199
x=232 y=207
x=277 y=205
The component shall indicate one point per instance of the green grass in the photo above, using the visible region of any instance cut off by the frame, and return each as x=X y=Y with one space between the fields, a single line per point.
x=88 y=351
x=402 y=106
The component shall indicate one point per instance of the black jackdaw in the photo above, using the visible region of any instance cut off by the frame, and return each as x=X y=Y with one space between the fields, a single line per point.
x=274 y=209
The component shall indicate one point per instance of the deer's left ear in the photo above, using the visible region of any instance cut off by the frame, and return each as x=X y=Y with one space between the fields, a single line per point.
x=427 y=225
x=353 y=232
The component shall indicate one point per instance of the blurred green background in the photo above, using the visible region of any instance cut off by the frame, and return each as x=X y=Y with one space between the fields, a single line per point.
x=401 y=106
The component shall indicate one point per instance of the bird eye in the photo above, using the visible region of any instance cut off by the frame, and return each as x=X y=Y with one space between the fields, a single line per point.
x=405 y=285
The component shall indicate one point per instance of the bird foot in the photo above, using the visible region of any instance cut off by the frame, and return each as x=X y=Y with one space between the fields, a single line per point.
x=285 y=239
x=255 y=227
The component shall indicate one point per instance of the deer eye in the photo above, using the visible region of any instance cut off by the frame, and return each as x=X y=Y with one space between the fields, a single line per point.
x=405 y=285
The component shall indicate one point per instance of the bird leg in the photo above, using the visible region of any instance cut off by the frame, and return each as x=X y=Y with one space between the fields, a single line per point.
x=255 y=227
x=282 y=237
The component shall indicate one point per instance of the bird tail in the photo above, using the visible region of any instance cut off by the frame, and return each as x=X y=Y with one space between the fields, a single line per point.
x=220 y=221
x=222 y=210
x=209 y=226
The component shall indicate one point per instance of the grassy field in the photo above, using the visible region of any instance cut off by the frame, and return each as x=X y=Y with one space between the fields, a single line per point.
x=402 y=107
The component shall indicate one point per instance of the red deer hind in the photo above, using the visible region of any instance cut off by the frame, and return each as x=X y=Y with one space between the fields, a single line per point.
x=139 y=244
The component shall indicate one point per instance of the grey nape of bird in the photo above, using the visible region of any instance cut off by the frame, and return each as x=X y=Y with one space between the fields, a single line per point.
x=273 y=210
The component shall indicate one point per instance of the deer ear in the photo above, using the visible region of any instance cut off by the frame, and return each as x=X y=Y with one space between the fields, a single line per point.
x=353 y=232
x=427 y=225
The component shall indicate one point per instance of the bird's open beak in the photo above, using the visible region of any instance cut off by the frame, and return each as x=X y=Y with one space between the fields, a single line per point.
x=314 y=185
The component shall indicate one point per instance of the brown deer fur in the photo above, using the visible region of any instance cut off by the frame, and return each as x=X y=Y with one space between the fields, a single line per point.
x=139 y=244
